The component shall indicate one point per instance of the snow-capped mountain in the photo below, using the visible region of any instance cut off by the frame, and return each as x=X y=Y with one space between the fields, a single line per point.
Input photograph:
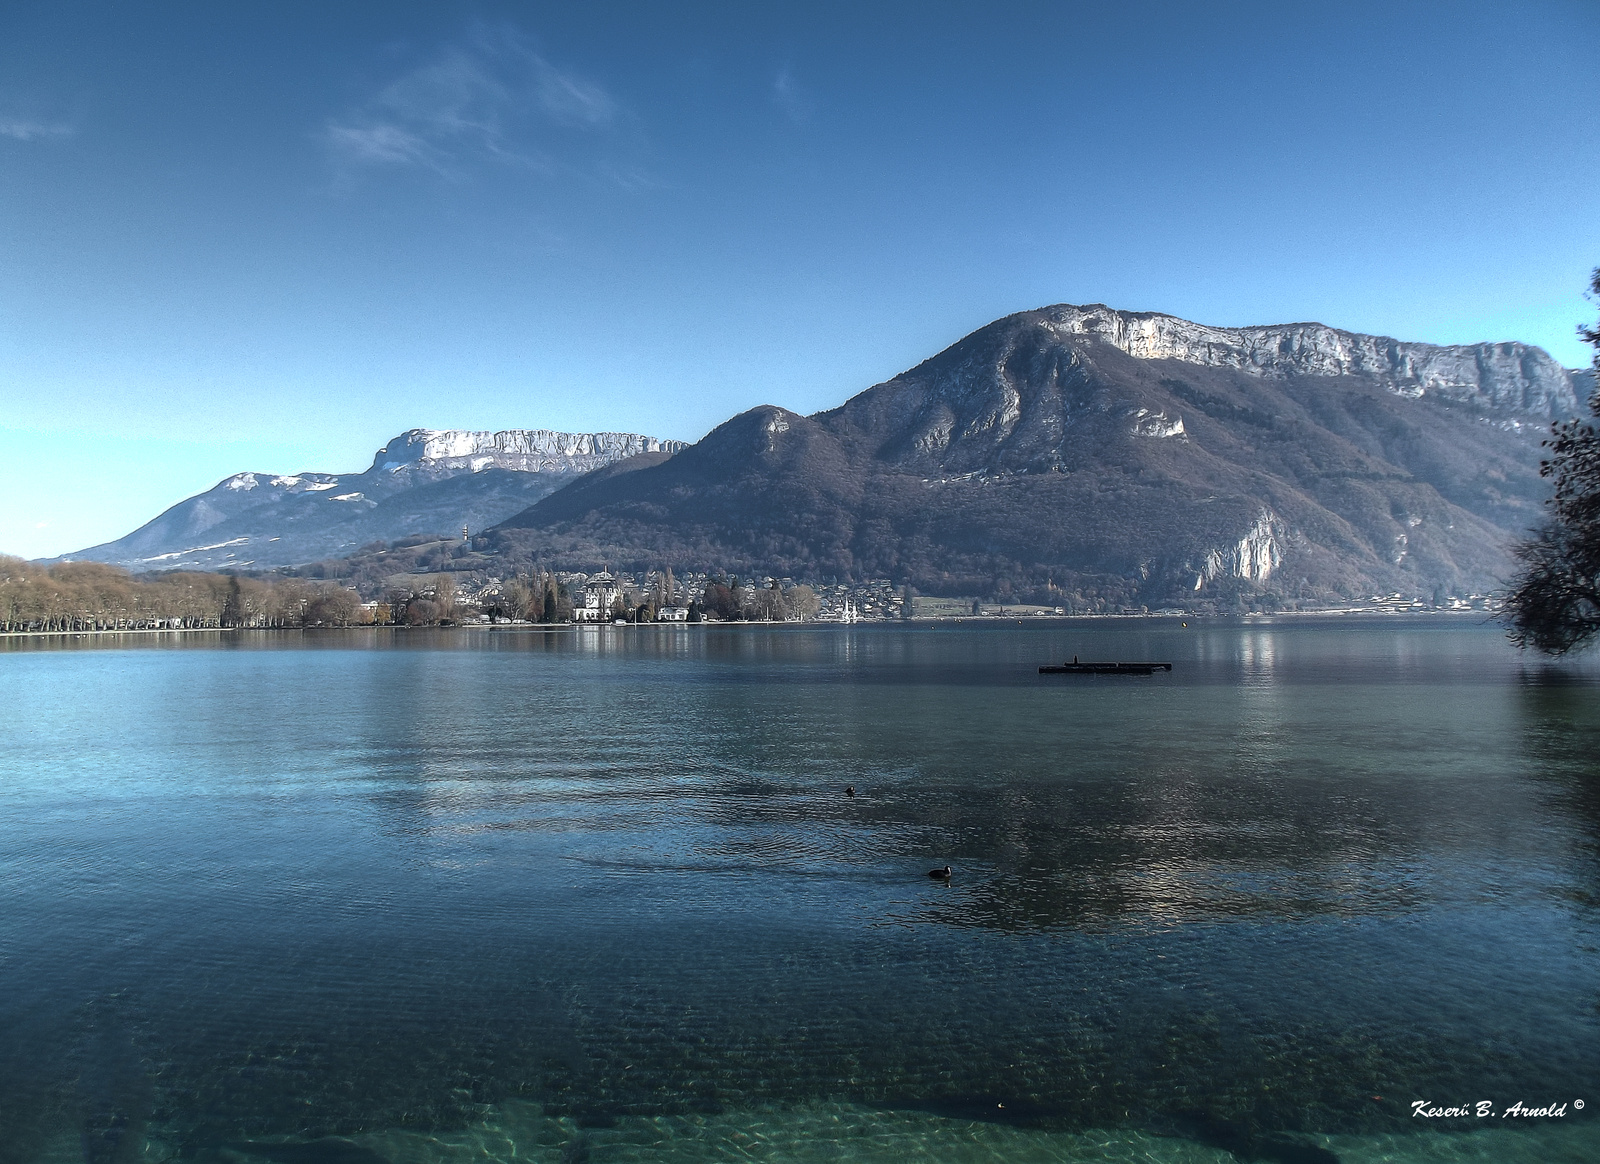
x=424 y=481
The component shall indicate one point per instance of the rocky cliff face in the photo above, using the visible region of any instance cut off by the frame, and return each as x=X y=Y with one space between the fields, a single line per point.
x=524 y=450
x=424 y=481
x=1252 y=559
x=1501 y=376
x=1116 y=456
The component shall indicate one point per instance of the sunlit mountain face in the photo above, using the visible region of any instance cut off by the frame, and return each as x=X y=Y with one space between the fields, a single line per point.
x=424 y=481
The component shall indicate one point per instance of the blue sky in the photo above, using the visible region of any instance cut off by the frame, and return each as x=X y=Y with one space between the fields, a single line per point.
x=270 y=236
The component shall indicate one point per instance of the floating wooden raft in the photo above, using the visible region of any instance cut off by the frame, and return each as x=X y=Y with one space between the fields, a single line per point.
x=1077 y=668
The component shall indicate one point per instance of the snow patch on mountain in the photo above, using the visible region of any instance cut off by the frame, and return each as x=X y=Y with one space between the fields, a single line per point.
x=526 y=450
x=195 y=550
x=1156 y=424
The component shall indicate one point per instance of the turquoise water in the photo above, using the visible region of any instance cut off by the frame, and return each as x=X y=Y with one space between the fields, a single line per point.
x=598 y=895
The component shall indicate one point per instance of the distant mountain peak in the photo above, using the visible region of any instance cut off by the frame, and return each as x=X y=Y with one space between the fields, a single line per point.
x=424 y=481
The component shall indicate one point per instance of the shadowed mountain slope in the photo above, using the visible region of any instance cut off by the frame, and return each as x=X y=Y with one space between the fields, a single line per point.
x=1124 y=456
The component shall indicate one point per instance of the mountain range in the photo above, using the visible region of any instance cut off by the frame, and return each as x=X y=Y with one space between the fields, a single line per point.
x=424 y=481
x=1074 y=454
x=1107 y=457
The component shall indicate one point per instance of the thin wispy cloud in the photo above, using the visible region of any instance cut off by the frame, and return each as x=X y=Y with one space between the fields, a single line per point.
x=491 y=96
x=377 y=143
x=788 y=95
x=25 y=129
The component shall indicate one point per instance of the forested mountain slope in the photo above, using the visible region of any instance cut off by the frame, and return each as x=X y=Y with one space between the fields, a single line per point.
x=1132 y=456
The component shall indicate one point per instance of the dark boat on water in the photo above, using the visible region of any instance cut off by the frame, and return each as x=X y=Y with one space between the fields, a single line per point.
x=1077 y=668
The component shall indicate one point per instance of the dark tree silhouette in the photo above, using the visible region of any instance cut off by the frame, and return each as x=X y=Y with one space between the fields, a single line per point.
x=1554 y=603
x=232 y=606
x=719 y=600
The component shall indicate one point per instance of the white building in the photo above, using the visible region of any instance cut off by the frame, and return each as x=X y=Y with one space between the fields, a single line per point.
x=673 y=614
x=599 y=596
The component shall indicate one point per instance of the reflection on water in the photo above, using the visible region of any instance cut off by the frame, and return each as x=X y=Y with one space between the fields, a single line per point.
x=1561 y=735
x=554 y=893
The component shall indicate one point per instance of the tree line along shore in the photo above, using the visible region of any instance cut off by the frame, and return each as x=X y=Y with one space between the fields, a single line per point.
x=76 y=597
x=90 y=596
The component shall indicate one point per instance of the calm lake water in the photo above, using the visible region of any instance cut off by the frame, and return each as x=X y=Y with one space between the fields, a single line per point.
x=598 y=895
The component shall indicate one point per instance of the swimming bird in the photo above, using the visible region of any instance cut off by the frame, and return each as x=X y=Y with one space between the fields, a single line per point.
x=849 y=789
x=940 y=874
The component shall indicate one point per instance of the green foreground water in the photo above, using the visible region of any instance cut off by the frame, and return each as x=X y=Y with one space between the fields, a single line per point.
x=598 y=895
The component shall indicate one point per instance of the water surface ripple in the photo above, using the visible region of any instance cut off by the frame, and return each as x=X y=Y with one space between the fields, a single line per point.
x=597 y=894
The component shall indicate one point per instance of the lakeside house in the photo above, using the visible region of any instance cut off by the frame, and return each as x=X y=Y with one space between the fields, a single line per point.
x=600 y=593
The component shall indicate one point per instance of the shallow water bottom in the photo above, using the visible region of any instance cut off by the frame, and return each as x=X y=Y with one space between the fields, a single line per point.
x=850 y=1133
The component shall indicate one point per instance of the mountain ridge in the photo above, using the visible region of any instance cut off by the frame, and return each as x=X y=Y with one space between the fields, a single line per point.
x=1131 y=454
x=1502 y=374
x=421 y=481
x=1067 y=450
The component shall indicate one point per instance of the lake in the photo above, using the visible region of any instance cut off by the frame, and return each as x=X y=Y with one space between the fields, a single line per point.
x=598 y=894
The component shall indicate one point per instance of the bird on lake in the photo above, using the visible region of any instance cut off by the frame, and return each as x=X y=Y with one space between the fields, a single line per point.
x=850 y=790
x=940 y=874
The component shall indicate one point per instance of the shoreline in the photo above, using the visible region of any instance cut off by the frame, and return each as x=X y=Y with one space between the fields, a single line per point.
x=1484 y=616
